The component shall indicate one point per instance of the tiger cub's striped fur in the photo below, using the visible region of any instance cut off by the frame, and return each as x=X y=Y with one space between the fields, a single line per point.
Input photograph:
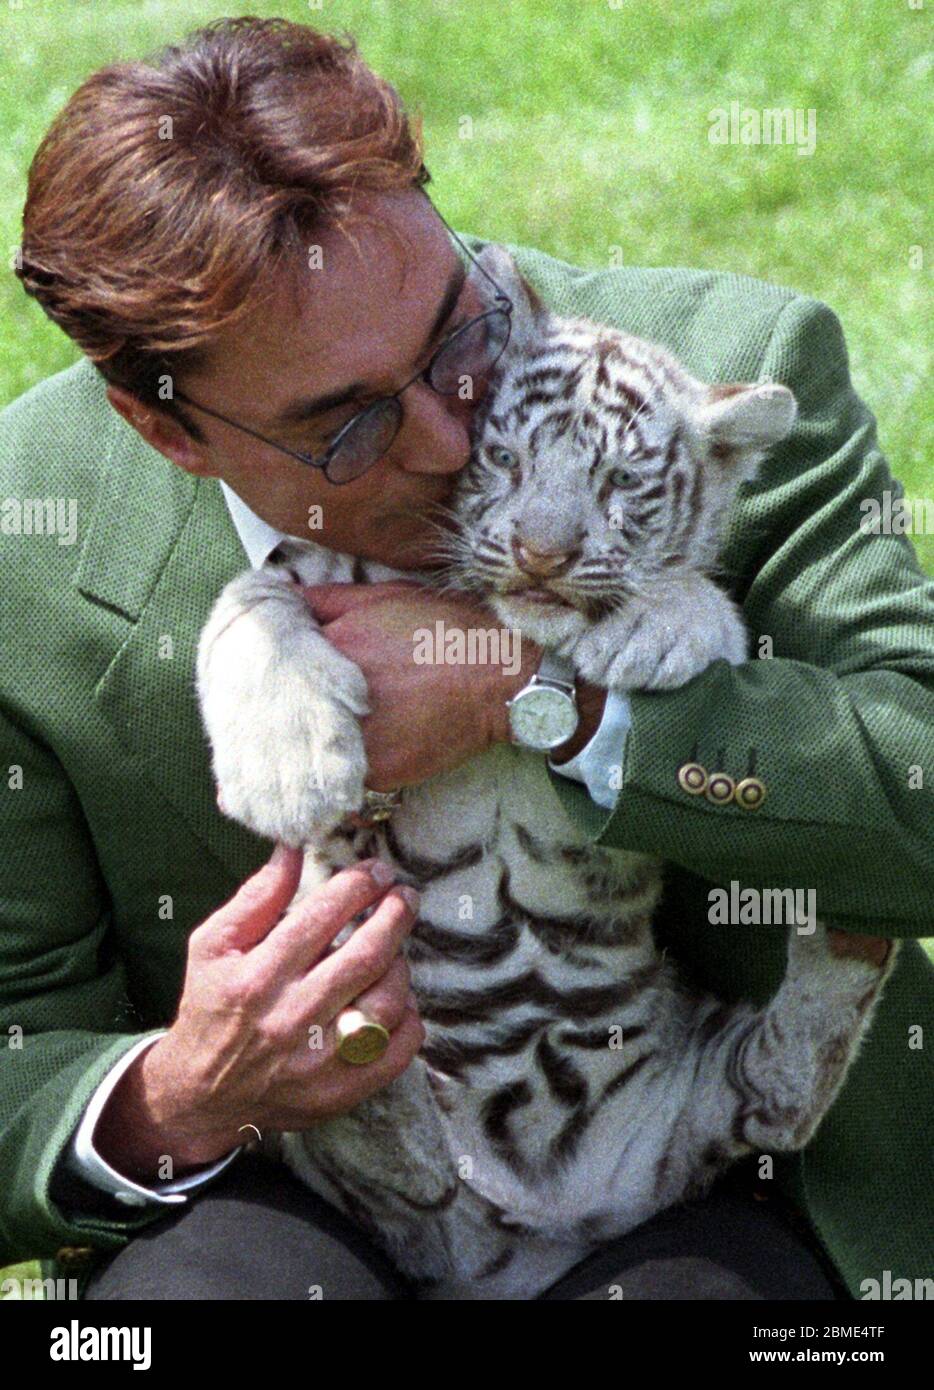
x=570 y=1086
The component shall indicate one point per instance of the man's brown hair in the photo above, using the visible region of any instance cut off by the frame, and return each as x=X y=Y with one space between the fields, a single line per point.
x=168 y=190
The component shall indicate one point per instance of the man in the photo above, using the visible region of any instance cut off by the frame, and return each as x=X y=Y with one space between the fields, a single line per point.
x=238 y=237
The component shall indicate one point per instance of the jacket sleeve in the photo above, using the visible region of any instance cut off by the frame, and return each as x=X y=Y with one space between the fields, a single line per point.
x=82 y=1161
x=64 y=1013
x=834 y=712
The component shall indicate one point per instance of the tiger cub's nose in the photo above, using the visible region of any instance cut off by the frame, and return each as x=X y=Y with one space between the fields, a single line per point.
x=541 y=563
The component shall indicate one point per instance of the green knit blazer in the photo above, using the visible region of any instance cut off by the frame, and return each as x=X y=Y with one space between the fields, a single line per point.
x=112 y=848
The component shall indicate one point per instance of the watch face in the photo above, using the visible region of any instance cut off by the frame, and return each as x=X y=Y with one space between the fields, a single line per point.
x=542 y=719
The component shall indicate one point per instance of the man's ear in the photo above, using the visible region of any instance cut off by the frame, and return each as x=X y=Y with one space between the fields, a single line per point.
x=162 y=432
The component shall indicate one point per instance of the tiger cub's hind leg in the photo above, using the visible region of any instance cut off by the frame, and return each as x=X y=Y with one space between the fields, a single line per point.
x=765 y=1078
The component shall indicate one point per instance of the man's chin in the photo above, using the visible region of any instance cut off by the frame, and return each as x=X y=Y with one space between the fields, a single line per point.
x=415 y=552
x=419 y=550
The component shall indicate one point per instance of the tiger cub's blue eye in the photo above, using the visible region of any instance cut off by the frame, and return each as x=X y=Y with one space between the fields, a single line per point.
x=621 y=477
x=504 y=457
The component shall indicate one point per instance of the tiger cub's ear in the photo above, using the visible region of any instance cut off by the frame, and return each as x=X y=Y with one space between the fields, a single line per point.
x=528 y=311
x=749 y=416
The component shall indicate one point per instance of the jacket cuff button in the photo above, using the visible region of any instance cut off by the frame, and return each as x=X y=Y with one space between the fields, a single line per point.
x=720 y=788
x=692 y=778
x=750 y=793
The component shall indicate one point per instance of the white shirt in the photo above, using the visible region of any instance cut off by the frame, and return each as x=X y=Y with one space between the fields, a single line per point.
x=596 y=766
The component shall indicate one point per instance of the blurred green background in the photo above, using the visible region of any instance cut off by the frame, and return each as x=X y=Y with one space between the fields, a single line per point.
x=581 y=126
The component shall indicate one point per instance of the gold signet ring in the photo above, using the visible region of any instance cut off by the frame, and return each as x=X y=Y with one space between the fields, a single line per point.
x=360 y=1039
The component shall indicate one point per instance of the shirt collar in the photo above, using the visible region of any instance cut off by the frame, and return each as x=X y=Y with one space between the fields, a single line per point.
x=257 y=537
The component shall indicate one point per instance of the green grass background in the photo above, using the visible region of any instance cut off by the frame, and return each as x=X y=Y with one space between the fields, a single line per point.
x=589 y=132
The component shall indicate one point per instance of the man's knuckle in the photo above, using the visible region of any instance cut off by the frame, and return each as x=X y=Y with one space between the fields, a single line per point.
x=276 y=1033
x=250 y=896
x=246 y=992
x=325 y=908
x=200 y=939
x=367 y=957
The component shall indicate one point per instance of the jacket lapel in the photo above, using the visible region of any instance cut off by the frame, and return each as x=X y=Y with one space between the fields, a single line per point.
x=160 y=548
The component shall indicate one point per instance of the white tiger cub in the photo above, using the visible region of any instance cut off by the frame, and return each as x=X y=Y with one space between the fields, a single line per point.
x=570 y=1086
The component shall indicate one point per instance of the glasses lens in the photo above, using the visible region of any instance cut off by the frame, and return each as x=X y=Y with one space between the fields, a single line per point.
x=364 y=441
x=470 y=352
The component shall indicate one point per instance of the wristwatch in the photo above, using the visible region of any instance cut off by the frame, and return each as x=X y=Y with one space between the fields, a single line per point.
x=544 y=713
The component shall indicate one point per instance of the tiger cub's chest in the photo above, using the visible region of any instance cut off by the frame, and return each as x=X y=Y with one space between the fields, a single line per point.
x=522 y=922
x=489 y=846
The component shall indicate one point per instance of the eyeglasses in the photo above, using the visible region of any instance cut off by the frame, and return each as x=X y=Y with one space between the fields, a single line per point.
x=467 y=354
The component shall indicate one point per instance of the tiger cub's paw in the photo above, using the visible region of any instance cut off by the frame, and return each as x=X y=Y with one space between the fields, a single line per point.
x=281 y=707
x=662 y=643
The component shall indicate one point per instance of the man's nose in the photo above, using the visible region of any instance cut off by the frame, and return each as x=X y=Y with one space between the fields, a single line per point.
x=435 y=433
x=540 y=562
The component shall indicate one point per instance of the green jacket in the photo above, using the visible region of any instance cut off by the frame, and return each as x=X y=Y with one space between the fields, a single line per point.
x=112 y=848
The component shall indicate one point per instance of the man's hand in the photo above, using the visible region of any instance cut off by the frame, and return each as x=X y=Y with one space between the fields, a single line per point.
x=427 y=718
x=424 y=718
x=254 y=1042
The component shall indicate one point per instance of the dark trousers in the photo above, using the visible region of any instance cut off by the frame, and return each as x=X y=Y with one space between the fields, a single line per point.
x=258 y=1233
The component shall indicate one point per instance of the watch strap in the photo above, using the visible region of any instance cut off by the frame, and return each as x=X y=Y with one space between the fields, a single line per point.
x=557 y=670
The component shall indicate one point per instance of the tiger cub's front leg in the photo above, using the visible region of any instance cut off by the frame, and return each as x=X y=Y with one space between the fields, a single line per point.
x=281 y=709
